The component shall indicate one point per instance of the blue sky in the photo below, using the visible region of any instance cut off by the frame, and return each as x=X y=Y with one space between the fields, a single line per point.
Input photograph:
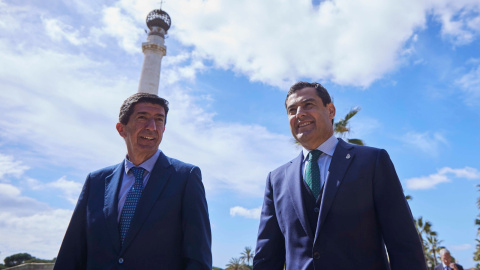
x=66 y=66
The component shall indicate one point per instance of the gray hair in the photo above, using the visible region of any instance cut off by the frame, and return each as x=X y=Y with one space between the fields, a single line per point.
x=443 y=251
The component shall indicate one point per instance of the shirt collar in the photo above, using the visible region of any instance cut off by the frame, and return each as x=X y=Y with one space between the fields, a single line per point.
x=327 y=147
x=147 y=164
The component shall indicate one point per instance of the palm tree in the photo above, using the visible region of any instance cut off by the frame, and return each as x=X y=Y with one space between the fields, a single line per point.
x=235 y=264
x=433 y=248
x=342 y=128
x=424 y=228
x=476 y=254
x=247 y=255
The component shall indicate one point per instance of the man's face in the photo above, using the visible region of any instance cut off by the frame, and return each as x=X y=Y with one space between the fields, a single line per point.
x=143 y=132
x=310 y=121
x=446 y=259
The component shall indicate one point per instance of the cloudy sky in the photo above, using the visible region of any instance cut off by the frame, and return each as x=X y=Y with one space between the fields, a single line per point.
x=413 y=67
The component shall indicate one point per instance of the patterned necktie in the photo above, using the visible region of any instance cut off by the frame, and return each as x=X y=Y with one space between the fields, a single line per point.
x=131 y=202
x=312 y=172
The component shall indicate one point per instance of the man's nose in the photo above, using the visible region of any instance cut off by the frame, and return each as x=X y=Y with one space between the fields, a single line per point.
x=150 y=125
x=300 y=112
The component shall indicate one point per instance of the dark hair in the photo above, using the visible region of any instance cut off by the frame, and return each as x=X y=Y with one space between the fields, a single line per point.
x=321 y=91
x=128 y=105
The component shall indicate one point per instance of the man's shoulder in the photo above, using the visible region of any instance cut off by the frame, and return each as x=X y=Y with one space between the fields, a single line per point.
x=356 y=147
x=281 y=169
x=178 y=164
x=104 y=172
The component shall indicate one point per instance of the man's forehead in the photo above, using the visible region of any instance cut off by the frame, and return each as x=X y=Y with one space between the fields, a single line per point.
x=295 y=100
x=149 y=108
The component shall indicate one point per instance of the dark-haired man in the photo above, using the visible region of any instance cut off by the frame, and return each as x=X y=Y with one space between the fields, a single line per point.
x=148 y=212
x=336 y=206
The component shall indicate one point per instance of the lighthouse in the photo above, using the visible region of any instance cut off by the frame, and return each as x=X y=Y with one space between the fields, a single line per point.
x=158 y=22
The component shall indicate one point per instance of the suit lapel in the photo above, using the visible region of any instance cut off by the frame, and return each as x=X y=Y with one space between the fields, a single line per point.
x=293 y=176
x=342 y=157
x=156 y=183
x=110 y=206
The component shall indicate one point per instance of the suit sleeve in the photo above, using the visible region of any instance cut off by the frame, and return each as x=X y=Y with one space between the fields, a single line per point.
x=73 y=251
x=270 y=250
x=197 y=238
x=403 y=244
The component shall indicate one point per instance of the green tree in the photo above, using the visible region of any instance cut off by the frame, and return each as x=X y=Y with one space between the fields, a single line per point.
x=235 y=264
x=247 y=255
x=476 y=254
x=342 y=127
x=17 y=259
x=434 y=248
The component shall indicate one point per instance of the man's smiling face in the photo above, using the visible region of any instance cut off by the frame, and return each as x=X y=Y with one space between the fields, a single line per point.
x=310 y=121
x=143 y=131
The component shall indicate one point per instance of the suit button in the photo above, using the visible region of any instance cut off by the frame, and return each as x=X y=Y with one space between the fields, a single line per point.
x=316 y=255
x=120 y=261
x=316 y=209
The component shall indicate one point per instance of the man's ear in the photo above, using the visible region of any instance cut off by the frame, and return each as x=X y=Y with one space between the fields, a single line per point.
x=331 y=110
x=121 y=130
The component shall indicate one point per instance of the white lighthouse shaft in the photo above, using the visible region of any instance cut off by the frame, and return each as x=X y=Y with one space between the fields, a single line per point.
x=154 y=50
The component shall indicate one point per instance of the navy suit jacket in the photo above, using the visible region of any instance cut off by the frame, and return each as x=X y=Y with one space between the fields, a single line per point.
x=363 y=210
x=170 y=228
x=440 y=266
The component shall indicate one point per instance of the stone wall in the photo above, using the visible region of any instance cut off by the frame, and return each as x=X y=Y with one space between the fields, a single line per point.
x=33 y=266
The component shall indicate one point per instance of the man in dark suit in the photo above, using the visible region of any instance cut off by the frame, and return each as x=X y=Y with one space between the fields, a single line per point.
x=148 y=212
x=337 y=205
x=447 y=263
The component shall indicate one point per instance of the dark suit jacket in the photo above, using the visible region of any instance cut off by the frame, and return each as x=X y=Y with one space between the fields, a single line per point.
x=170 y=228
x=363 y=209
x=440 y=266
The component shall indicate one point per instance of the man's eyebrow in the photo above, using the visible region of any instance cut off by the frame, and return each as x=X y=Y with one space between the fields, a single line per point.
x=307 y=99
x=300 y=102
x=146 y=113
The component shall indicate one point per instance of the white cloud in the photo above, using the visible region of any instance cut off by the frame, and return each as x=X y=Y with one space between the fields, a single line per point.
x=247 y=213
x=443 y=175
x=9 y=166
x=296 y=40
x=71 y=189
x=427 y=142
x=460 y=247
x=39 y=234
x=460 y=19
x=470 y=84
x=12 y=201
x=58 y=30
x=119 y=25
x=28 y=225
x=181 y=67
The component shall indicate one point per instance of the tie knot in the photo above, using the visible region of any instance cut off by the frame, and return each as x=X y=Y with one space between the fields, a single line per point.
x=138 y=172
x=314 y=155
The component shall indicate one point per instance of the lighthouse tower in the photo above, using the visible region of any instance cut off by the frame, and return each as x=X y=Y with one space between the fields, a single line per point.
x=158 y=21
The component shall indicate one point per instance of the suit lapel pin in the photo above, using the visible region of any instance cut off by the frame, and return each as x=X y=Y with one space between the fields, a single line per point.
x=348 y=156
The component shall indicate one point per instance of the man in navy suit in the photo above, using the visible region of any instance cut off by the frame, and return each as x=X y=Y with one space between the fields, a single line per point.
x=447 y=263
x=336 y=206
x=148 y=212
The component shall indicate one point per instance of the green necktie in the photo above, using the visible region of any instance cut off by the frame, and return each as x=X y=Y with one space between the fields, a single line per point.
x=312 y=172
